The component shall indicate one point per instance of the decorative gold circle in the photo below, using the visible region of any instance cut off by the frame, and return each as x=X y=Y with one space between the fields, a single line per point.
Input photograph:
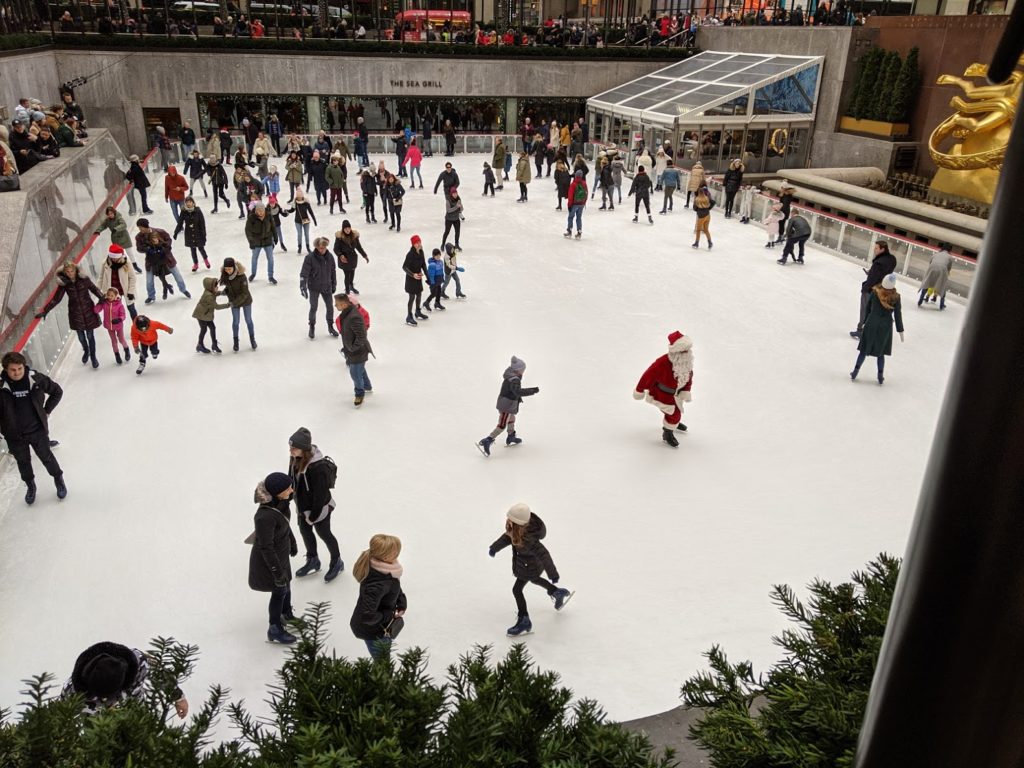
x=773 y=143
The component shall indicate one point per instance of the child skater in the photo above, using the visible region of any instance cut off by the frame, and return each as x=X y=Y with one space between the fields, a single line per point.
x=771 y=224
x=746 y=203
x=435 y=279
x=156 y=255
x=524 y=531
x=451 y=270
x=113 y=314
x=511 y=395
x=204 y=311
x=144 y=339
x=488 y=179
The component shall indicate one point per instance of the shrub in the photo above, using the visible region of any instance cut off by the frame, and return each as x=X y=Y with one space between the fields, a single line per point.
x=806 y=712
x=867 y=81
x=904 y=92
x=22 y=40
x=883 y=89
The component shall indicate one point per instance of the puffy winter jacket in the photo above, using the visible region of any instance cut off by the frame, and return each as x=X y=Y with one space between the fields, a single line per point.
x=380 y=597
x=113 y=314
x=435 y=271
x=319 y=273
x=512 y=392
x=80 y=306
x=797 y=226
x=312 y=490
x=354 y=344
x=43 y=393
x=531 y=558
x=207 y=304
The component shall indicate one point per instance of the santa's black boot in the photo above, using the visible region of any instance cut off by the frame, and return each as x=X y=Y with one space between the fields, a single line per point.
x=668 y=437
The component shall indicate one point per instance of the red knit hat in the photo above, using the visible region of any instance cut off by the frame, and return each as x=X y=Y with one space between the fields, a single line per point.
x=415 y=239
x=116 y=251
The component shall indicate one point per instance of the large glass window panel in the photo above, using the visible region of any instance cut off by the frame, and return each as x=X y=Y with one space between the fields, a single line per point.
x=799 y=140
x=737 y=106
x=786 y=96
x=778 y=145
x=710 y=148
x=754 y=150
x=691 y=66
x=732 y=146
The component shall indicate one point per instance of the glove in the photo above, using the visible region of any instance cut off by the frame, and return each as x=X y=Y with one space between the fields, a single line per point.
x=136 y=350
x=554 y=579
x=491 y=552
x=304 y=292
x=40 y=315
x=460 y=269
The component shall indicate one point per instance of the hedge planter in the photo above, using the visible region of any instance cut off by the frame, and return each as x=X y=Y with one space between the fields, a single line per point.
x=874 y=127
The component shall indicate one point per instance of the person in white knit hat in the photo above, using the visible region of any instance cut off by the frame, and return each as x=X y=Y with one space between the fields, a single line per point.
x=530 y=558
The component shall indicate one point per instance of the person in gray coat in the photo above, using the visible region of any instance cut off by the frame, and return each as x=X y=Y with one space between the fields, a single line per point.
x=511 y=395
x=273 y=543
x=933 y=284
x=355 y=347
x=318 y=279
x=798 y=229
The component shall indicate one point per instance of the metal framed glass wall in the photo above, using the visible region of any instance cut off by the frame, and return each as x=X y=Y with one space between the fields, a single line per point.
x=229 y=109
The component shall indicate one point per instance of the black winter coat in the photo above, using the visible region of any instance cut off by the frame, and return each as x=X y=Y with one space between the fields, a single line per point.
x=449 y=180
x=312 y=488
x=194 y=224
x=319 y=273
x=81 y=315
x=218 y=176
x=137 y=176
x=44 y=394
x=349 y=247
x=415 y=262
x=275 y=542
x=318 y=168
x=641 y=186
x=354 y=344
x=380 y=596
x=531 y=559
x=733 y=179
x=882 y=265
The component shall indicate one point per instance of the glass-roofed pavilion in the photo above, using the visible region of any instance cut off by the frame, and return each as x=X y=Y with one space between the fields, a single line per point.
x=715 y=107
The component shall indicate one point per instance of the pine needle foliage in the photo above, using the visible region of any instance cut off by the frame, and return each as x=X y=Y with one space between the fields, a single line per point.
x=806 y=711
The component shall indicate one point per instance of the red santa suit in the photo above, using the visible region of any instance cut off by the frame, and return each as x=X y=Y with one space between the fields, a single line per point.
x=666 y=383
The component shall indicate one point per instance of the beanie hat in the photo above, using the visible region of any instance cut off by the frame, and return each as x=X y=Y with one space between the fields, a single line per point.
x=302 y=439
x=415 y=239
x=272 y=198
x=142 y=223
x=519 y=513
x=229 y=262
x=346 y=224
x=277 y=483
x=115 y=251
x=579 y=173
x=517 y=365
x=889 y=281
x=104 y=669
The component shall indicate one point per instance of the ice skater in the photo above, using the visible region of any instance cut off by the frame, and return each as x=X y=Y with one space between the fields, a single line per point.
x=414 y=266
x=144 y=339
x=876 y=336
x=378 y=615
x=702 y=205
x=313 y=476
x=204 y=312
x=435 y=280
x=272 y=544
x=771 y=224
x=488 y=180
x=511 y=395
x=524 y=531
x=353 y=323
x=576 y=202
x=641 y=187
x=113 y=313
x=933 y=284
x=666 y=385
x=451 y=271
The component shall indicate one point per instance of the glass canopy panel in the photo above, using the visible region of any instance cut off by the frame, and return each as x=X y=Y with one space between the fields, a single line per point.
x=783 y=96
x=742 y=78
x=691 y=65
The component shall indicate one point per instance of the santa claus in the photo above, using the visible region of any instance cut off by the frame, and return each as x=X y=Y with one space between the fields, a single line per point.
x=666 y=384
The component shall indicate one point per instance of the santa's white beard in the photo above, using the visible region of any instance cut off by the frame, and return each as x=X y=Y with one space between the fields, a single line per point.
x=682 y=366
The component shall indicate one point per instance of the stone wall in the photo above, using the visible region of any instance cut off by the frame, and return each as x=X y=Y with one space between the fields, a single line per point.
x=129 y=83
x=29 y=74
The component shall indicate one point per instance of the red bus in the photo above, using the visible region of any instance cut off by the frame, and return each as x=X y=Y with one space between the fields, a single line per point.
x=414 y=23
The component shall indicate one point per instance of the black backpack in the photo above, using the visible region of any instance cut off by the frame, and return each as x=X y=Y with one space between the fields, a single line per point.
x=332 y=471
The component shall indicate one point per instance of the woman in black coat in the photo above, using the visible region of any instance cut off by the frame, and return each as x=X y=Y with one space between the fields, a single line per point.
x=786 y=201
x=138 y=180
x=82 y=316
x=414 y=266
x=312 y=476
x=272 y=544
x=377 y=618
x=732 y=182
x=194 y=225
x=318 y=170
x=876 y=336
x=530 y=558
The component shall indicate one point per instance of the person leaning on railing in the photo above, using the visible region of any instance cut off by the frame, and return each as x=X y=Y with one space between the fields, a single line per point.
x=9 y=179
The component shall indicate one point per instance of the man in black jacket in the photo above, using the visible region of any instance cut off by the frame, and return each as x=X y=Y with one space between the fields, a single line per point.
x=23 y=144
x=449 y=177
x=318 y=279
x=883 y=264
x=27 y=398
x=354 y=344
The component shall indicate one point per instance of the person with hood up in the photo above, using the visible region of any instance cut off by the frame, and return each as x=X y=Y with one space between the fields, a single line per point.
x=175 y=189
x=641 y=187
x=876 y=336
x=666 y=385
x=204 y=313
x=577 y=199
x=933 y=284
x=695 y=182
x=273 y=543
x=81 y=317
x=524 y=532
x=523 y=176
x=509 y=397
x=318 y=279
x=236 y=288
x=379 y=613
x=353 y=324
x=313 y=475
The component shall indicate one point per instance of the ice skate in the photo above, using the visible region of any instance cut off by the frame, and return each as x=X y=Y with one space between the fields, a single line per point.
x=668 y=437
x=561 y=597
x=568 y=233
x=357 y=401
x=117 y=358
x=421 y=316
x=30 y=493
x=127 y=354
x=336 y=567
x=512 y=440
x=635 y=218
x=201 y=348
x=485 y=446
x=681 y=427
x=278 y=634
x=62 y=490
x=522 y=627
x=141 y=368
x=214 y=347
x=234 y=344
x=853 y=373
x=650 y=219
x=579 y=235
x=312 y=566
x=410 y=321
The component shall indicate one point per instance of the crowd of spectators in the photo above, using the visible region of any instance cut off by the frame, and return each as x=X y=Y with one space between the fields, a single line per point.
x=38 y=133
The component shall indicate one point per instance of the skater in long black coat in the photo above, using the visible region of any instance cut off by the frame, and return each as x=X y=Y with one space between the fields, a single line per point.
x=530 y=558
x=641 y=188
x=415 y=267
x=876 y=339
x=272 y=544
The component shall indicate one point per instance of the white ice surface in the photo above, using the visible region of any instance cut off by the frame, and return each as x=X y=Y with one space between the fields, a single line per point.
x=789 y=471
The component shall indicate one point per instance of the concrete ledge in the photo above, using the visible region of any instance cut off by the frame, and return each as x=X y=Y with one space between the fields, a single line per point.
x=671 y=729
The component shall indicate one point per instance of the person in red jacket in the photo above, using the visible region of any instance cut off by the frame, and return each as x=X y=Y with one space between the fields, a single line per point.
x=578 y=195
x=175 y=189
x=666 y=384
x=144 y=339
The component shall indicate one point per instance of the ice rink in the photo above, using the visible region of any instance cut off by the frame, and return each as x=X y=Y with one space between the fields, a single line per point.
x=789 y=471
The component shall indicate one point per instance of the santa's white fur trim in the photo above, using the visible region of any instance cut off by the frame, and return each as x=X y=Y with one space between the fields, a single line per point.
x=638 y=395
x=682 y=365
x=682 y=344
x=684 y=396
x=666 y=407
x=666 y=424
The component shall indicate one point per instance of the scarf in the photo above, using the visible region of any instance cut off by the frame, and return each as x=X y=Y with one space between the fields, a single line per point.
x=394 y=570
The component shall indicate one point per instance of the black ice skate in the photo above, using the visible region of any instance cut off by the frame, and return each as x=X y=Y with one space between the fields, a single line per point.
x=336 y=567
x=512 y=440
x=312 y=565
x=485 y=446
x=522 y=627
x=561 y=597
x=668 y=437
x=277 y=634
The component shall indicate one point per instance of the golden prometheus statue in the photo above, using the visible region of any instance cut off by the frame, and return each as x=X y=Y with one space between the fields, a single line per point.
x=980 y=129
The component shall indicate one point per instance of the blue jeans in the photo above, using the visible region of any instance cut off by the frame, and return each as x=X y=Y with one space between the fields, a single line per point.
x=236 y=312
x=280 y=235
x=269 y=251
x=414 y=173
x=301 y=229
x=577 y=211
x=378 y=647
x=452 y=273
x=186 y=151
x=175 y=209
x=151 y=288
x=358 y=373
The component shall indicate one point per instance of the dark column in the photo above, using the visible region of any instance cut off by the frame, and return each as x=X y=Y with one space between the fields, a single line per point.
x=949 y=687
